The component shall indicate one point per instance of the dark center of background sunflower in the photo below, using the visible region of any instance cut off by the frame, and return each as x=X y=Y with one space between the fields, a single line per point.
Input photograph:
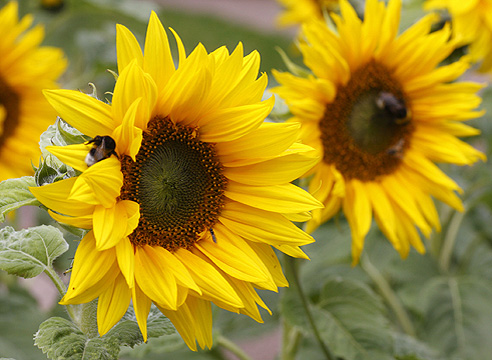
x=9 y=100
x=360 y=137
x=178 y=182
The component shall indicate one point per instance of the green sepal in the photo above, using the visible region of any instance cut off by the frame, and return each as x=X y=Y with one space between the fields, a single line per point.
x=29 y=252
x=14 y=193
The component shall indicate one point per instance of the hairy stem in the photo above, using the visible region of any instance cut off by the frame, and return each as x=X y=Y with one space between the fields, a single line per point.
x=62 y=289
x=389 y=295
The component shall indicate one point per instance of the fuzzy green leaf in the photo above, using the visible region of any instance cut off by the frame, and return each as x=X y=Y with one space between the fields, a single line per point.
x=14 y=193
x=29 y=252
x=128 y=333
x=59 y=338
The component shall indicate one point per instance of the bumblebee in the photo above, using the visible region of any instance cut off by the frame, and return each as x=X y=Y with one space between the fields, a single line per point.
x=102 y=148
x=393 y=106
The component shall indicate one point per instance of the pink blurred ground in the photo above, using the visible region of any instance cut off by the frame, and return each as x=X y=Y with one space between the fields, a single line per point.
x=258 y=14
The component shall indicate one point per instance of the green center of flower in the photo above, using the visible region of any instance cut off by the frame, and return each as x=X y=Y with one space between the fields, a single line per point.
x=178 y=182
x=367 y=128
x=9 y=111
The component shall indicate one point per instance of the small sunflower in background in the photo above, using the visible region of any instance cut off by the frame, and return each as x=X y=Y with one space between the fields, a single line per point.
x=300 y=11
x=26 y=68
x=471 y=24
x=184 y=188
x=380 y=112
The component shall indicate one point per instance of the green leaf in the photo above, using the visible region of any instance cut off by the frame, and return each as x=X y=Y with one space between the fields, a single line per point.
x=20 y=317
x=51 y=169
x=350 y=317
x=59 y=338
x=128 y=333
x=29 y=252
x=60 y=134
x=14 y=193
x=457 y=315
x=409 y=348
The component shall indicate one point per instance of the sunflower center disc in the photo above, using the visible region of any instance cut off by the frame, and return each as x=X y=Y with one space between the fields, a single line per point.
x=366 y=129
x=9 y=111
x=178 y=182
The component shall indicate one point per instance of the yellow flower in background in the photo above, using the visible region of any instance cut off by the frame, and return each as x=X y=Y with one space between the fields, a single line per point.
x=187 y=190
x=300 y=11
x=471 y=25
x=25 y=70
x=380 y=112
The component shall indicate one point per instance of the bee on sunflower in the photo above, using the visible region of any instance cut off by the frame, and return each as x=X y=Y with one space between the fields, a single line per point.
x=185 y=190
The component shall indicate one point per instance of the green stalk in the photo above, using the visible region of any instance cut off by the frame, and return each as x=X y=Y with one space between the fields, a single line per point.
x=62 y=289
x=232 y=347
x=291 y=338
x=450 y=240
x=88 y=319
x=291 y=272
x=389 y=295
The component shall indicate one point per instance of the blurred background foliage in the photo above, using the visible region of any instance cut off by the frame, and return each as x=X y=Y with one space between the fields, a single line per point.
x=445 y=293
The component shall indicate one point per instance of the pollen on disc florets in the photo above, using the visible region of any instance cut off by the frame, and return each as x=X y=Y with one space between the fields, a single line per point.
x=9 y=111
x=178 y=182
x=362 y=136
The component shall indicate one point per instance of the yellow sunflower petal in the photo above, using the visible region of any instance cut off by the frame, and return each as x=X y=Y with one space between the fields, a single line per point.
x=89 y=115
x=141 y=305
x=112 y=304
x=183 y=276
x=92 y=272
x=56 y=197
x=83 y=222
x=262 y=226
x=158 y=61
x=99 y=184
x=230 y=259
x=125 y=254
x=209 y=280
x=277 y=198
x=127 y=48
x=107 y=222
x=142 y=86
x=127 y=136
x=268 y=257
x=193 y=321
x=152 y=277
x=230 y=124
x=285 y=168
x=72 y=155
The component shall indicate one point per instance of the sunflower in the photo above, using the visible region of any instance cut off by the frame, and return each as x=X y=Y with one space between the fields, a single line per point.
x=300 y=11
x=187 y=190
x=380 y=112
x=25 y=70
x=471 y=25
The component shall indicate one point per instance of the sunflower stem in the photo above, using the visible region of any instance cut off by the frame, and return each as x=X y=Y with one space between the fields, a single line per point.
x=291 y=271
x=290 y=341
x=232 y=347
x=450 y=240
x=389 y=295
x=62 y=289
